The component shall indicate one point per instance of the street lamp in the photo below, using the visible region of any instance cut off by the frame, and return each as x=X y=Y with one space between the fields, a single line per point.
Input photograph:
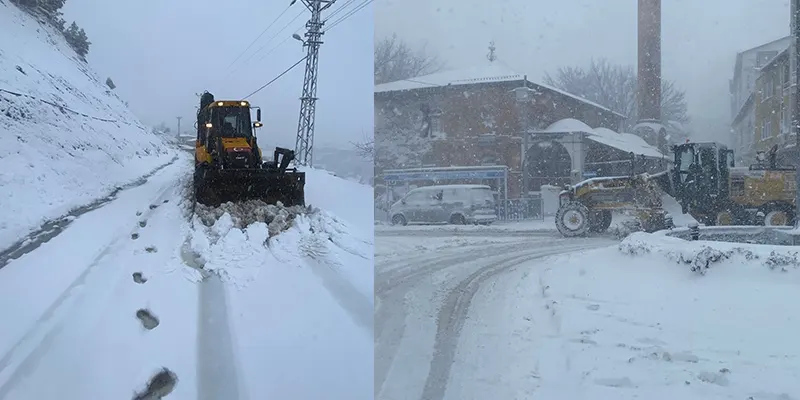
x=523 y=96
x=299 y=38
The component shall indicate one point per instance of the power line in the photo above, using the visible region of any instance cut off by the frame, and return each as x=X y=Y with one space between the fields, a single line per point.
x=349 y=14
x=279 y=32
x=260 y=34
x=280 y=43
x=338 y=10
x=277 y=77
x=271 y=39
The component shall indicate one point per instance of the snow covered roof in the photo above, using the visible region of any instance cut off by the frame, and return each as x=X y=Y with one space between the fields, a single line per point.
x=568 y=125
x=479 y=74
x=626 y=142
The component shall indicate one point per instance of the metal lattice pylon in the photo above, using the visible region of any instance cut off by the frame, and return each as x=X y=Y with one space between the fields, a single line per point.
x=305 y=126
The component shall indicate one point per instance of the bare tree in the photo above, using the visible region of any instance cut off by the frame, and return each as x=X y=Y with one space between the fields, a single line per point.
x=365 y=148
x=395 y=60
x=614 y=86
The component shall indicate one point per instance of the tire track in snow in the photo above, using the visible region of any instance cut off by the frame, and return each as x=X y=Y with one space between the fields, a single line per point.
x=217 y=376
x=456 y=307
x=390 y=318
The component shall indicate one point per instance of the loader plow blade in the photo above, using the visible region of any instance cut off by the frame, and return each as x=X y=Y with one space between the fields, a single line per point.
x=215 y=187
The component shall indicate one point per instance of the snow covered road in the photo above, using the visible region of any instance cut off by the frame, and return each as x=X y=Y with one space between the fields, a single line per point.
x=116 y=297
x=430 y=285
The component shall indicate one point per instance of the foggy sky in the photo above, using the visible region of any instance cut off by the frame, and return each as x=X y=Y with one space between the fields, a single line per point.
x=160 y=54
x=700 y=39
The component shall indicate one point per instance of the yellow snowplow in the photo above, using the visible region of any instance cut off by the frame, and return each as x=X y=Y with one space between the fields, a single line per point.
x=228 y=160
x=587 y=206
x=703 y=179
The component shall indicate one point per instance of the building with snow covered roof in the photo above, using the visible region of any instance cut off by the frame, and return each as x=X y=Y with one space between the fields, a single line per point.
x=469 y=117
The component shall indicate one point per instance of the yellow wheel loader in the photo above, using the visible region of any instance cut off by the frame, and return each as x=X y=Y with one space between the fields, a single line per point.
x=714 y=191
x=228 y=160
x=587 y=206
x=703 y=179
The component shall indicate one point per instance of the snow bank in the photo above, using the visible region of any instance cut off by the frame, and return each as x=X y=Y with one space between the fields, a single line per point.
x=699 y=255
x=659 y=318
x=67 y=139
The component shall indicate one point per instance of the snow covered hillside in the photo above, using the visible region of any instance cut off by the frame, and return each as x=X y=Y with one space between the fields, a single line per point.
x=228 y=303
x=67 y=139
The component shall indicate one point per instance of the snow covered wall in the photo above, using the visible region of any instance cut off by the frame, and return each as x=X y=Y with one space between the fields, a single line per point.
x=67 y=140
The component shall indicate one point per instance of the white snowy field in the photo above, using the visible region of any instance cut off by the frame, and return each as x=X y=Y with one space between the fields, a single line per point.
x=288 y=317
x=634 y=321
x=67 y=138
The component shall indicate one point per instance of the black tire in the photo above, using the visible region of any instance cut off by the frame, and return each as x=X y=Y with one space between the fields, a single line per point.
x=458 y=219
x=599 y=221
x=770 y=211
x=572 y=219
x=399 y=219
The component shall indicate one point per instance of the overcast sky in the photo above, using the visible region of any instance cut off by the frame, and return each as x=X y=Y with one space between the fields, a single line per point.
x=161 y=54
x=700 y=38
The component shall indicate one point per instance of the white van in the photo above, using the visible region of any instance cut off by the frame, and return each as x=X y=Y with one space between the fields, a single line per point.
x=455 y=204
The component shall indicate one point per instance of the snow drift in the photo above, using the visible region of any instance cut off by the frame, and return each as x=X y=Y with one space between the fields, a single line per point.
x=67 y=139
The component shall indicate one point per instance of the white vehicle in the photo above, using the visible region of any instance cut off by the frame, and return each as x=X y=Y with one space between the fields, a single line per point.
x=455 y=204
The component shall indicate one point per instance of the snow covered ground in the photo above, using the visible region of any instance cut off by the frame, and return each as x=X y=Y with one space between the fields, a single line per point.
x=286 y=316
x=635 y=321
x=472 y=316
x=67 y=139
x=425 y=286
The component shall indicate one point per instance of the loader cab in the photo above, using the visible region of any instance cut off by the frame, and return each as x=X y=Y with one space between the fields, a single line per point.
x=226 y=134
x=701 y=174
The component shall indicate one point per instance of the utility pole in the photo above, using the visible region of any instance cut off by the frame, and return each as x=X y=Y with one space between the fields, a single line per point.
x=304 y=145
x=179 y=125
x=794 y=61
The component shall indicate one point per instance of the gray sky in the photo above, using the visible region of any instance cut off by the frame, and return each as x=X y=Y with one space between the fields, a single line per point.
x=700 y=38
x=161 y=54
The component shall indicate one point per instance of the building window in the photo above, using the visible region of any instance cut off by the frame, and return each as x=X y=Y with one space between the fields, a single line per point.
x=787 y=77
x=768 y=89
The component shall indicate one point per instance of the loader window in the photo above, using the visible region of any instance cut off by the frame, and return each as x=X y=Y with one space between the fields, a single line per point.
x=233 y=121
x=687 y=158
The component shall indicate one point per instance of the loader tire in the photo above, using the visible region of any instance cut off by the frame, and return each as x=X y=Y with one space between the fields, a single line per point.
x=599 y=221
x=778 y=214
x=572 y=219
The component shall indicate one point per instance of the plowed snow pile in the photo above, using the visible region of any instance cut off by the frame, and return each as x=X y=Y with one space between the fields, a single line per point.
x=298 y=286
x=660 y=318
x=67 y=139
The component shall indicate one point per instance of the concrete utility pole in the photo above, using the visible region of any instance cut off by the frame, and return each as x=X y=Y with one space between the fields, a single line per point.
x=794 y=61
x=304 y=145
x=179 y=125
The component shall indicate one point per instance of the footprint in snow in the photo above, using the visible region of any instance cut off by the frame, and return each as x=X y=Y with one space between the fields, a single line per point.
x=149 y=321
x=142 y=224
x=138 y=213
x=593 y=307
x=166 y=201
x=139 y=278
x=150 y=249
x=153 y=206
x=159 y=386
x=134 y=236
x=615 y=382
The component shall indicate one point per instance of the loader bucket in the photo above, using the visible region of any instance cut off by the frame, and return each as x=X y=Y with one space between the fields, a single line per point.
x=215 y=187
